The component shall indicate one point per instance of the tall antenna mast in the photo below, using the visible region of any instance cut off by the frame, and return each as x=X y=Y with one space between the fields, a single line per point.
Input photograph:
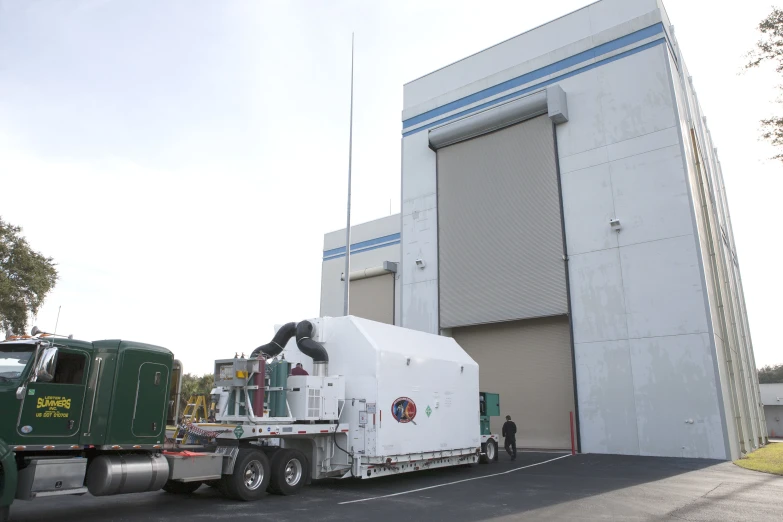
x=348 y=224
x=57 y=323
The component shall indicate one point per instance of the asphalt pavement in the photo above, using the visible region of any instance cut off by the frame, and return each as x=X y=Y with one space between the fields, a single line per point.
x=537 y=486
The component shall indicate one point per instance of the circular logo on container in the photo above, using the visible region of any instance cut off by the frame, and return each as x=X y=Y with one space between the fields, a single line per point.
x=404 y=410
x=26 y=429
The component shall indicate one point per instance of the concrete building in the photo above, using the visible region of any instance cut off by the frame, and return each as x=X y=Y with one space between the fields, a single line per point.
x=375 y=281
x=564 y=218
x=772 y=398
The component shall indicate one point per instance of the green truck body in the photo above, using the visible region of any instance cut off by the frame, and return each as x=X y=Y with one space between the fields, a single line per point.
x=104 y=393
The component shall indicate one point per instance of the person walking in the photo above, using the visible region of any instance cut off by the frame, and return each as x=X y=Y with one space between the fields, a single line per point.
x=510 y=435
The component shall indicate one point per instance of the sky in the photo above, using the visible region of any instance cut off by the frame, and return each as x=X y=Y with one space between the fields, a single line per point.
x=182 y=159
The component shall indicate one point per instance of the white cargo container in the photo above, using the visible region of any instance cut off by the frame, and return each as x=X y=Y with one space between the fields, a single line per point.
x=409 y=393
x=382 y=400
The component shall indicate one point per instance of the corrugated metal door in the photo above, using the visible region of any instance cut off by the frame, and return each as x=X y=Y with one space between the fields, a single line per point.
x=373 y=298
x=529 y=364
x=499 y=227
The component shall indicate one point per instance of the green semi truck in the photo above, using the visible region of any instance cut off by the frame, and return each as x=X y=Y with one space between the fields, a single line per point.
x=91 y=417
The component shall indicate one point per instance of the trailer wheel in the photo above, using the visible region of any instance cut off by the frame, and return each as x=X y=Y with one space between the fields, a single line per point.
x=5 y=513
x=289 y=472
x=250 y=477
x=180 y=488
x=490 y=452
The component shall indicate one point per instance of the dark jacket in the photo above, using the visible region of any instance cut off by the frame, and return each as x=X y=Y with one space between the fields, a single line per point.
x=510 y=430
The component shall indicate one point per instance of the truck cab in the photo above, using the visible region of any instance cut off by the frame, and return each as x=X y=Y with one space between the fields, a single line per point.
x=65 y=393
x=75 y=400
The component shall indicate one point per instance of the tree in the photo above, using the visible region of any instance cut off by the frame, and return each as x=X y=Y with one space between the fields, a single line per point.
x=771 y=374
x=770 y=49
x=26 y=278
x=195 y=385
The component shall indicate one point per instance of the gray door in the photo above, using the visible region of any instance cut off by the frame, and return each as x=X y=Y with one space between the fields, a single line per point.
x=499 y=227
x=529 y=364
x=373 y=298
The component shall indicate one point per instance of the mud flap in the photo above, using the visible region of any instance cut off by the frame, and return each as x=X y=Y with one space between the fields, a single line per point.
x=8 y=465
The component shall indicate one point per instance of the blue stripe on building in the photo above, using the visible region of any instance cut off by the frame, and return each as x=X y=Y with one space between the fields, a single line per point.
x=363 y=246
x=539 y=73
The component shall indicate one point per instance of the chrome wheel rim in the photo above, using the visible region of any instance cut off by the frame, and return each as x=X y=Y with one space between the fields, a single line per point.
x=254 y=475
x=490 y=451
x=293 y=472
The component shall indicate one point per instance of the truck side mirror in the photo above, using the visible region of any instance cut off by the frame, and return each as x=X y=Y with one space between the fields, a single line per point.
x=47 y=363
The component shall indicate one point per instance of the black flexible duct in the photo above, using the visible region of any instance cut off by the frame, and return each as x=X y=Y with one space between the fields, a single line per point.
x=307 y=346
x=278 y=342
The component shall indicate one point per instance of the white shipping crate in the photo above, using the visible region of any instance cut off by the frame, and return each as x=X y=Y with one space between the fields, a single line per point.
x=407 y=392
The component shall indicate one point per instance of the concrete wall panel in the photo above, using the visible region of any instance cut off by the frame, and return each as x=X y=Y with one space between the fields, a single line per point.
x=637 y=103
x=420 y=306
x=676 y=397
x=663 y=291
x=587 y=218
x=597 y=297
x=420 y=234
x=651 y=196
x=607 y=410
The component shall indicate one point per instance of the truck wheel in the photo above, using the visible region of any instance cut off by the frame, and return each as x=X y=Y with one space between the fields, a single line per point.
x=289 y=472
x=490 y=452
x=5 y=513
x=180 y=488
x=250 y=477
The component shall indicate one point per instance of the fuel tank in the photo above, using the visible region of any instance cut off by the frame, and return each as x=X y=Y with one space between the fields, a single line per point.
x=118 y=474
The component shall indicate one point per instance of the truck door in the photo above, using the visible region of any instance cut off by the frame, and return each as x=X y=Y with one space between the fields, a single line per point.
x=51 y=411
x=151 y=400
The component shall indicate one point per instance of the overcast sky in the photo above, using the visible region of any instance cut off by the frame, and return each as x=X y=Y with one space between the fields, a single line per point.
x=182 y=159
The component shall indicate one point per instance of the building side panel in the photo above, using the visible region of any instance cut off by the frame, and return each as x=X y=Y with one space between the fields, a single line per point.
x=650 y=289
x=676 y=397
x=419 y=239
x=708 y=258
x=607 y=406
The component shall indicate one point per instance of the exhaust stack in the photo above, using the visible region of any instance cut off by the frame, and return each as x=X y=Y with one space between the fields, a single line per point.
x=312 y=349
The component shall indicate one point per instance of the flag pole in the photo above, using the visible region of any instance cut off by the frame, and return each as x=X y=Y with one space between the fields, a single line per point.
x=348 y=224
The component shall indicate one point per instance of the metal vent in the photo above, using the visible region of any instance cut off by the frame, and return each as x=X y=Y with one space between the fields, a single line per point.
x=313 y=402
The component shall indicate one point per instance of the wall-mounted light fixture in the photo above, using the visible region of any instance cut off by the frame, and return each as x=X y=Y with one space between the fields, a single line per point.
x=420 y=263
x=615 y=224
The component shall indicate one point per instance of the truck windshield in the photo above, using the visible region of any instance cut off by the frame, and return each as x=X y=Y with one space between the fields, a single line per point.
x=13 y=360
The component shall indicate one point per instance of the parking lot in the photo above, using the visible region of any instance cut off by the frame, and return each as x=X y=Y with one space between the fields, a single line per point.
x=535 y=486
